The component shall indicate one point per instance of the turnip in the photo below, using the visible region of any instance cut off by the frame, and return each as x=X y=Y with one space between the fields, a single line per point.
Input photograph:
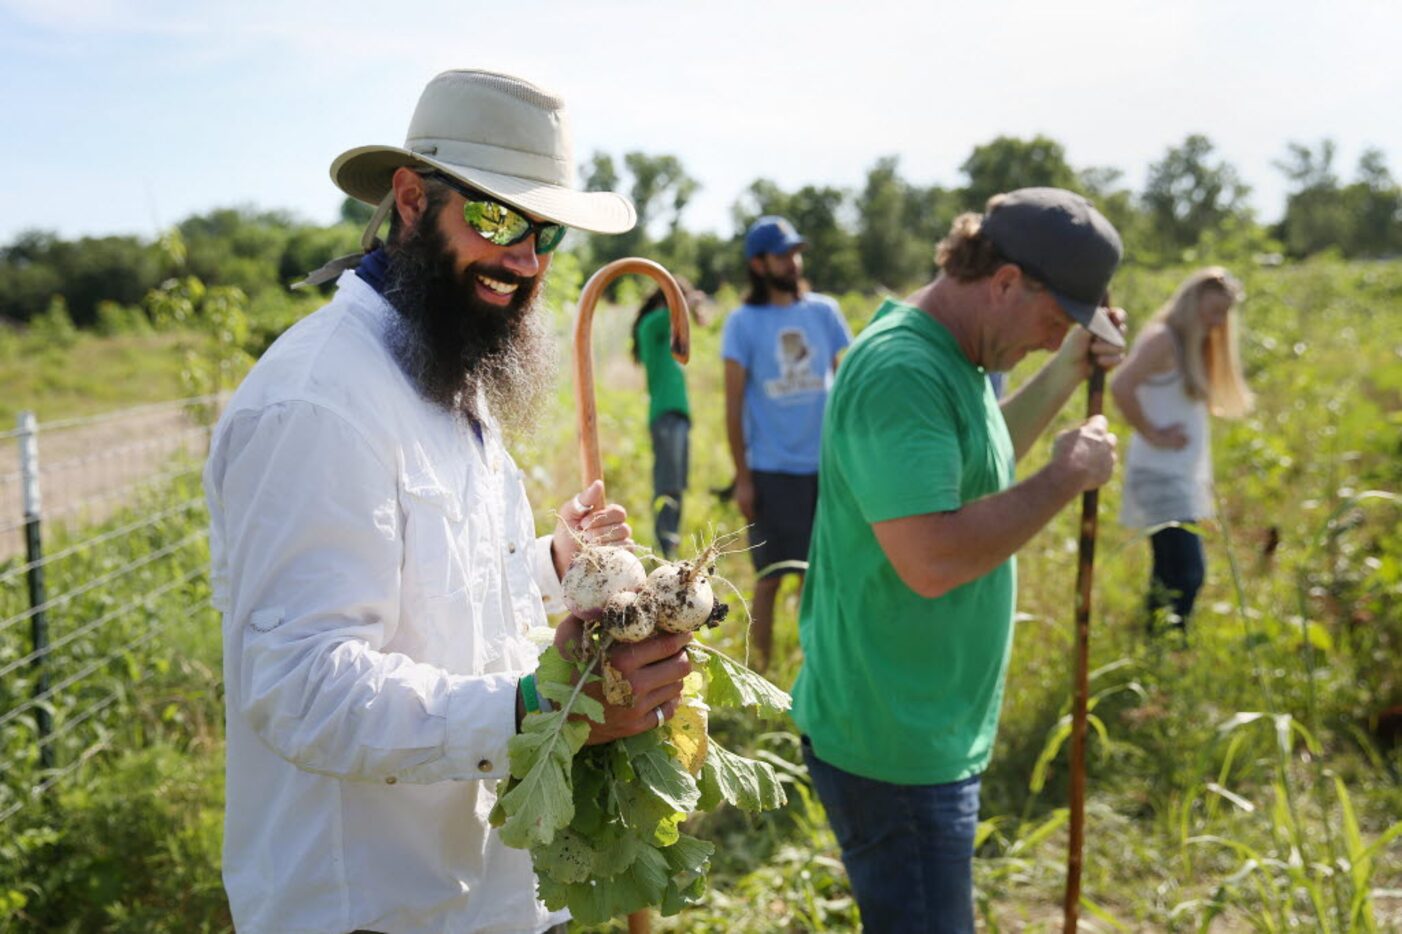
x=602 y=821
x=628 y=616
x=682 y=597
x=681 y=594
x=607 y=587
x=597 y=573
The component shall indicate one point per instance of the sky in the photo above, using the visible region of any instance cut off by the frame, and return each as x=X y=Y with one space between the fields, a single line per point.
x=127 y=116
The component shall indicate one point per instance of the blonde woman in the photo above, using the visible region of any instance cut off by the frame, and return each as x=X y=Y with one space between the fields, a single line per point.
x=1183 y=366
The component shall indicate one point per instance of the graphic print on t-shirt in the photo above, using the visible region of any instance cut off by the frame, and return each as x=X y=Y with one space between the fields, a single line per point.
x=796 y=373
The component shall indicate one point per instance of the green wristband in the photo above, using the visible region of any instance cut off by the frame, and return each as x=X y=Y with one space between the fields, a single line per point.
x=528 y=694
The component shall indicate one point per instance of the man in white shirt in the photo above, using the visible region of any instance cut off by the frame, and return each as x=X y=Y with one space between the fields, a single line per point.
x=374 y=555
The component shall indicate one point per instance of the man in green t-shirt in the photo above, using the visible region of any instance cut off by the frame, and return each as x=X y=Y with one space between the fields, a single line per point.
x=906 y=623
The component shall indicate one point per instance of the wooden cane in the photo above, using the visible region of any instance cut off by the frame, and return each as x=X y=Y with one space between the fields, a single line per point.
x=591 y=464
x=1090 y=505
x=590 y=461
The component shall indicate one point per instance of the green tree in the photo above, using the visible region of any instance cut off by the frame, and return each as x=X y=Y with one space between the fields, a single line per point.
x=1374 y=202
x=307 y=248
x=660 y=189
x=39 y=265
x=54 y=328
x=1190 y=192
x=1104 y=186
x=1008 y=163
x=600 y=174
x=238 y=246
x=28 y=279
x=354 y=211
x=1316 y=217
x=718 y=262
x=888 y=211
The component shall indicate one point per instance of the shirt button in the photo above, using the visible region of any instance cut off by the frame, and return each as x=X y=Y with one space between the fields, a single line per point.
x=485 y=765
x=511 y=548
x=391 y=780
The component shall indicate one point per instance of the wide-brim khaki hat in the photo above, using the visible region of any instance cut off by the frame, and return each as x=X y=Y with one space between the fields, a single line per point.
x=499 y=134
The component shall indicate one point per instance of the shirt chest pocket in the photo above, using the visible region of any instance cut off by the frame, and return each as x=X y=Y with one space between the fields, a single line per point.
x=449 y=609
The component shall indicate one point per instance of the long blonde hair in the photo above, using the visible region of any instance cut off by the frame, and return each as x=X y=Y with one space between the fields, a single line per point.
x=1213 y=374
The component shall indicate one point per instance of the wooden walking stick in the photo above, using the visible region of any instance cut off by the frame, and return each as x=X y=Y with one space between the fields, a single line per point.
x=590 y=461
x=1090 y=505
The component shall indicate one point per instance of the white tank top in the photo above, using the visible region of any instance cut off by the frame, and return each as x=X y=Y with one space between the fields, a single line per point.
x=1163 y=484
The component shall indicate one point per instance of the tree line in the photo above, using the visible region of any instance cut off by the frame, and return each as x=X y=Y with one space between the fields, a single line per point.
x=879 y=236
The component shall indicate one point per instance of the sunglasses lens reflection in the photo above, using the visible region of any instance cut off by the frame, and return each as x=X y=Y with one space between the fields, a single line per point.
x=504 y=226
x=548 y=237
x=496 y=222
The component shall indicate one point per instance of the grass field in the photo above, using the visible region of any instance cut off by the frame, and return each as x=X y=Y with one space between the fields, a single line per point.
x=1243 y=781
x=93 y=374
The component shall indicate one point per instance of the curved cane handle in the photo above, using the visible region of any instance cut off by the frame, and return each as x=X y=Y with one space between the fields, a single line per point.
x=591 y=463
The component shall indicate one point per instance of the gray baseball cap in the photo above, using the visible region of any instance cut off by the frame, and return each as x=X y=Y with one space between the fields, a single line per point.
x=1062 y=241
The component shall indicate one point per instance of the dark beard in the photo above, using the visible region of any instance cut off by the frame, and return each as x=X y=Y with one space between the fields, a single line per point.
x=462 y=354
x=787 y=284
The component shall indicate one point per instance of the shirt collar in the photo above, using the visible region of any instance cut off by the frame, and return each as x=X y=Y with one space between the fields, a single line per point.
x=372 y=269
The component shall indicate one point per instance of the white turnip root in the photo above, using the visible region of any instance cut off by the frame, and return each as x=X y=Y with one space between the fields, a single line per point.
x=681 y=593
x=628 y=616
x=681 y=596
x=597 y=573
x=607 y=587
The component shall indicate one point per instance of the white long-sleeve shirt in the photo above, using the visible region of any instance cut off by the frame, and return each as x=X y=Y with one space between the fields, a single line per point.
x=378 y=573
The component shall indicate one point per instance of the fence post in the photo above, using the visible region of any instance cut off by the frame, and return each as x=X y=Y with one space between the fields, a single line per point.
x=34 y=553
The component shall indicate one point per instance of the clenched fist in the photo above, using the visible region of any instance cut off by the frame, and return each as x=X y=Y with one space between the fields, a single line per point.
x=1085 y=455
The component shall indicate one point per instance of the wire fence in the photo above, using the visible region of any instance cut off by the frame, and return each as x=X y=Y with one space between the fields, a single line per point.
x=103 y=549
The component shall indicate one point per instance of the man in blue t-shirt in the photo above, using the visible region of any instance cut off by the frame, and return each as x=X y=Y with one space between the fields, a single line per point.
x=780 y=349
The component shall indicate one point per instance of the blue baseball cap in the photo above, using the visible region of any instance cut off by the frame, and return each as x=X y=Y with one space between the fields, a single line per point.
x=771 y=234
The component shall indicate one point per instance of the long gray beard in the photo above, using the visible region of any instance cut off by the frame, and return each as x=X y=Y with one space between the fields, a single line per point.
x=480 y=363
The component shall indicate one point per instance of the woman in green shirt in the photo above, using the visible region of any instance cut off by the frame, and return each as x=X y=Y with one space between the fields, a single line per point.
x=669 y=415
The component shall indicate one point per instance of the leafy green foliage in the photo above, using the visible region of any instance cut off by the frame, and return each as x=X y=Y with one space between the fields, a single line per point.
x=878 y=236
x=154 y=807
x=747 y=784
x=55 y=326
x=39 y=265
x=890 y=211
x=130 y=842
x=730 y=684
x=1188 y=193
x=1360 y=219
x=539 y=802
x=1008 y=162
x=603 y=822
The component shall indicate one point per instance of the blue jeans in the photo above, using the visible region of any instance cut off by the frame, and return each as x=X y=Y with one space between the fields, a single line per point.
x=1179 y=569
x=908 y=849
x=670 y=432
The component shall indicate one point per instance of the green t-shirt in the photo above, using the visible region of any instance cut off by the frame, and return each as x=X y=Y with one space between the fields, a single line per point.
x=895 y=686
x=666 y=384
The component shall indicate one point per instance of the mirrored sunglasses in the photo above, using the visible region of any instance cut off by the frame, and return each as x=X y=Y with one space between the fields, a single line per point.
x=501 y=224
